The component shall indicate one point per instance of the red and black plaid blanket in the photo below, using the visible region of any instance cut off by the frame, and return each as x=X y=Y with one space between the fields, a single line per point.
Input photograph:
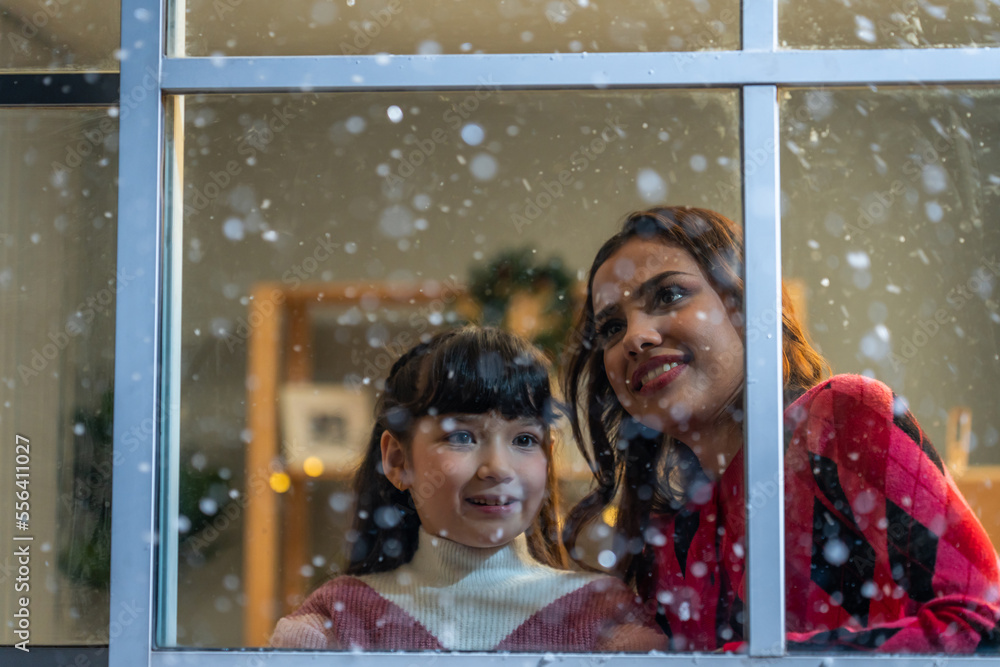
x=882 y=551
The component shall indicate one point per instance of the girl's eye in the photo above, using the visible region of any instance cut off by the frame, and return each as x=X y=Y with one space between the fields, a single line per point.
x=460 y=438
x=526 y=440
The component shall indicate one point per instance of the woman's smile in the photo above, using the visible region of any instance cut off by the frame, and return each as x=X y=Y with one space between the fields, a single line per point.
x=657 y=373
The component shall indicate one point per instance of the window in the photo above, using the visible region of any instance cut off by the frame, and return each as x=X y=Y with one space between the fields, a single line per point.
x=58 y=287
x=426 y=27
x=888 y=238
x=253 y=145
x=878 y=25
x=59 y=36
x=415 y=190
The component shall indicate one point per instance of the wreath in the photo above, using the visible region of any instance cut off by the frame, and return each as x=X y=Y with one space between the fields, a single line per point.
x=518 y=293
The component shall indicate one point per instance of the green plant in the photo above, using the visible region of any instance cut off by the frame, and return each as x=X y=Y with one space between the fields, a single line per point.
x=85 y=552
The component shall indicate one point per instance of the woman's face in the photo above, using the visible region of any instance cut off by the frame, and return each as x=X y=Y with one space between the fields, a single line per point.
x=671 y=352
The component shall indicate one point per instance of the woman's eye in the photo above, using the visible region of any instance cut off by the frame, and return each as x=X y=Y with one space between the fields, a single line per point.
x=667 y=295
x=609 y=330
x=526 y=440
x=460 y=438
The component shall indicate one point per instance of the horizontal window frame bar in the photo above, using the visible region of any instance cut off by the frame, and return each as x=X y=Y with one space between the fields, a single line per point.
x=78 y=89
x=94 y=655
x=559 y=71
x=258 y=658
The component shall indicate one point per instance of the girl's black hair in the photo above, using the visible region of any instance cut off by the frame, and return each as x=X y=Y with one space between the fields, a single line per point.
x=473 y=370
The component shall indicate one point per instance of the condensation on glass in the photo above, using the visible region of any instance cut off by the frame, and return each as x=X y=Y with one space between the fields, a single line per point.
x=60 y=35
x=878 y=24
x=320 y=236
x=890 y=240
x=428 y=27
x=58 y=284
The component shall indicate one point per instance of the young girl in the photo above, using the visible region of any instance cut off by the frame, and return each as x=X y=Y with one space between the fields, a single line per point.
x=456 y=541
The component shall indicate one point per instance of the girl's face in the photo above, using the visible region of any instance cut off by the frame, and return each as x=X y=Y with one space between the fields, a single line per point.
x=478 y=480
x=671 y=352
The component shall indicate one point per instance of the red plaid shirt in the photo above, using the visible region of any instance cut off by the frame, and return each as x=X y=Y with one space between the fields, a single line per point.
x=881 y=550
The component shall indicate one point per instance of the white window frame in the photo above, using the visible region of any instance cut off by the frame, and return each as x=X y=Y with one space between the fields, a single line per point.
x=759 y=70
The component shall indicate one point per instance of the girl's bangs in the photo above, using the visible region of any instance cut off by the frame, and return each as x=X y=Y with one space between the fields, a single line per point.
x=491 y=375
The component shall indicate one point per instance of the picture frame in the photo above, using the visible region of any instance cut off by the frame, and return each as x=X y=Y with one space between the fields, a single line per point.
x=329 y=422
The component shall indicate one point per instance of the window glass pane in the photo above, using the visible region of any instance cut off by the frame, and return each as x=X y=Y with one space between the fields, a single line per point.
x=57 y=310
x=326 y=27
x=59 y=35
x=890 y=241
x=319 y=236
x=877 y=24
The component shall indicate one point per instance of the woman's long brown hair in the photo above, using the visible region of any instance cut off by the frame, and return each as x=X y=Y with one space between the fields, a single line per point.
x=645 y=470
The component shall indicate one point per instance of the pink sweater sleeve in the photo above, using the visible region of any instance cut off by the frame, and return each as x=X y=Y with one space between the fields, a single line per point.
x=311 y=625
x=303 y=632
x=631 y=628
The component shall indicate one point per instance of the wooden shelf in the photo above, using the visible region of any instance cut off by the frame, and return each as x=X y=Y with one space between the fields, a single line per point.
x=277 y=529
x=975 y=482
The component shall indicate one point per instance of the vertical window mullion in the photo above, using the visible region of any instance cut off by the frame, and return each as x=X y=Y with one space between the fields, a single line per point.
x=760 y=25
x=137 y=334
x=165 y=628
x=764 y=457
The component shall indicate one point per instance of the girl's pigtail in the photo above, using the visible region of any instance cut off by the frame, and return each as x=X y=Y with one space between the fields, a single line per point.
x=386 y=526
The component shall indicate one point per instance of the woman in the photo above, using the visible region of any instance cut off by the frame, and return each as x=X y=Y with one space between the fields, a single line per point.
x=882 y=552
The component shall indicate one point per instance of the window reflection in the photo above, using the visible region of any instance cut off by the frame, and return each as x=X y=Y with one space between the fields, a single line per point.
x=324 y=233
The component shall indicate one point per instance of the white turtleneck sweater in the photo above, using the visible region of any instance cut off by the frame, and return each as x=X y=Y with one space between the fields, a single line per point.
x=448 y=584
x=455 y=597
